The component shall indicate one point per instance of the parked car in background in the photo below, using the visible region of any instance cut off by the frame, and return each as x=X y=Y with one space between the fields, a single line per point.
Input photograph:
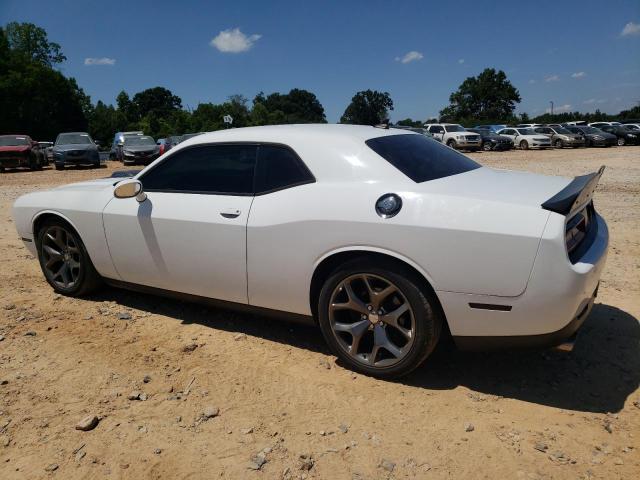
x=47 y=149
x=529 y=125
x=454 y=135
x=582 y=123
x=138 y=149
x=117 y=142
x=525 y=138
x=634 y=127
x=76 y=149
x=420 y=130
x=623 y=134
x=493 y=128
x=561 y=137
x=410 y=239
x=602 y=124
x=490 y=140
x=594 y=137
x=20 y=151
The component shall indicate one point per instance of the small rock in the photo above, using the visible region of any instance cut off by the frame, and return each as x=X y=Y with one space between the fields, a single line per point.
x=4 y=382
x=240 y=336
x=256 y=462
x=607 y=426
x=189 y=348
x=143 y=396
x=343 y=428
x=247 y=431
x=1 y=338
x=87 y=423
x=135 y=395
x=210 y=412
x=10 y=306
x=88 y=317
x=541 y=447
x=387 y=465
x=146 y=379
x=325 y=364
x=80 y=455
x=157 y=451
x=52 y=467
x=123 y=316
x=618 y=461
x=30 y=333
x=468 y=427
x=307 y=462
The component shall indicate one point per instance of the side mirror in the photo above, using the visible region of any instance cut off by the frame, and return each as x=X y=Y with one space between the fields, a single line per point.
x=130 y=188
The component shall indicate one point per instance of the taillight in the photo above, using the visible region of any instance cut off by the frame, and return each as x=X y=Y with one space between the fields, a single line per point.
x=577 y=228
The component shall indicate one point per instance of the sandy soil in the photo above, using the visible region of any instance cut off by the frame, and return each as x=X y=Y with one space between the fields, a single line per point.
x=282 y=395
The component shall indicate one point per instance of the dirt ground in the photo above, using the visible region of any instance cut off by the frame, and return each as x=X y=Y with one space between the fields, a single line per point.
x=282 y=396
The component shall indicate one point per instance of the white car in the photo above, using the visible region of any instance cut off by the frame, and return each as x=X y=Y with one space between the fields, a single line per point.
x=525 y=138
x=454 y=135
x=382 y=237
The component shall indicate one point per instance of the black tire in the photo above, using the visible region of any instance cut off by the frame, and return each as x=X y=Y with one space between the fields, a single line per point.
x=59 y=167
x=486 y=146
x=87 y=279
x=558 y=144
x=34 y=163
x=452 y=144
x=621 y=142
x=425 y=311
x=524 y=145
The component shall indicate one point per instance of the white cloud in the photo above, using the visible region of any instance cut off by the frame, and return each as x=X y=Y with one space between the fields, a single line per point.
x=578 y=75
x=461 y=61
x=630 y=29
x=411 y=56
x=100 y=61
x=552 y=78
x=234 y=41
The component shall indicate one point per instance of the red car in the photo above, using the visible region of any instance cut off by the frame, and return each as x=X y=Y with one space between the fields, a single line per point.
x=20 y=151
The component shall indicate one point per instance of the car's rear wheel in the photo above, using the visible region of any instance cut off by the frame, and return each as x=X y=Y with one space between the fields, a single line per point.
x=486 y=146
x=524 y=145
x=378 y=319
x=64 y=259
x=621 y=142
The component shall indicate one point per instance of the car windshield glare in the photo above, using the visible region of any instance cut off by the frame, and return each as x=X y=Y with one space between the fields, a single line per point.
x=138 y=141
x=454 y=128
x=526 y=131
x=73 y=139
x=13 y=141
x=561 y=130
x=421 y=158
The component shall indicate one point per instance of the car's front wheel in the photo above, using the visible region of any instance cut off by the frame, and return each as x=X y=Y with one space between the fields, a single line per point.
x=64 y=259
x=558 y=143
x=524 y=145
x=378 y=319
x=451 y=143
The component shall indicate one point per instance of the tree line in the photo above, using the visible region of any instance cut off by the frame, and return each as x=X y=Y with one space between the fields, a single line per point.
x=38 y=100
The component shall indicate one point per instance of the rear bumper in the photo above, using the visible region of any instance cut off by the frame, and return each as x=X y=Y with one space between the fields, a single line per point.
x=557 y=299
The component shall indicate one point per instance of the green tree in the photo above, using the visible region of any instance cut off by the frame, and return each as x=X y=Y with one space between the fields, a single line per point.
x=31 y=42
x=407 y=122
x=158 y=101
x=368 y=107
x=488 y=98
x=297 y=106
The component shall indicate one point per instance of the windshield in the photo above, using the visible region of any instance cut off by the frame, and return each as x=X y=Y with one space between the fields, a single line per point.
x=13 y=141
x=632 y=127
x=73 y=139
x=421 y=158
x=141 y=140
x=589 y=130
x=454 y=128
x=561 y=130
x=526 y=131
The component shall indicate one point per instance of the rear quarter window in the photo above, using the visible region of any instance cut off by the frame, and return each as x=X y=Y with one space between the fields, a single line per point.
x=421 y=158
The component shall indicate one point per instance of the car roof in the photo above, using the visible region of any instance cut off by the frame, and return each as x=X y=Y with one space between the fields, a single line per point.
x=333 y=152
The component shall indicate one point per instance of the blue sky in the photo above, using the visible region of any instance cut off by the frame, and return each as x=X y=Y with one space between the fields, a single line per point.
x=336 y=48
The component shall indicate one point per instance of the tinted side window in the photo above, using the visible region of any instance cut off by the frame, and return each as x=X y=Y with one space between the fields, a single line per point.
x=226 y=169
x=279 y=167
x=421 y=158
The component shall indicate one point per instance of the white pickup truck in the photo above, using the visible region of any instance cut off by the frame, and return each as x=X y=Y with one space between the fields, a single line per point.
x=454 y=135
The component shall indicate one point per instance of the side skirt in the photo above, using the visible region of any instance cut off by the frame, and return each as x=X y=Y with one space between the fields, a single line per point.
x=212 y=302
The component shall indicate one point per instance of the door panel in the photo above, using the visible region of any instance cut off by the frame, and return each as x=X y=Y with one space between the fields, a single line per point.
x=190 y=243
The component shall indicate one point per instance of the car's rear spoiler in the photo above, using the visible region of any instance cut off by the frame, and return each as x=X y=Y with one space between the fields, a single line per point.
x=577 y=193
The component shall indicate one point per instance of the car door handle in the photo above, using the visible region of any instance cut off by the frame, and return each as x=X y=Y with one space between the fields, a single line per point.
x=230 y=213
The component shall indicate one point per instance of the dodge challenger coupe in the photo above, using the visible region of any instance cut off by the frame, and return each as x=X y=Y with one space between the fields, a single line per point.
x=383 y=237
